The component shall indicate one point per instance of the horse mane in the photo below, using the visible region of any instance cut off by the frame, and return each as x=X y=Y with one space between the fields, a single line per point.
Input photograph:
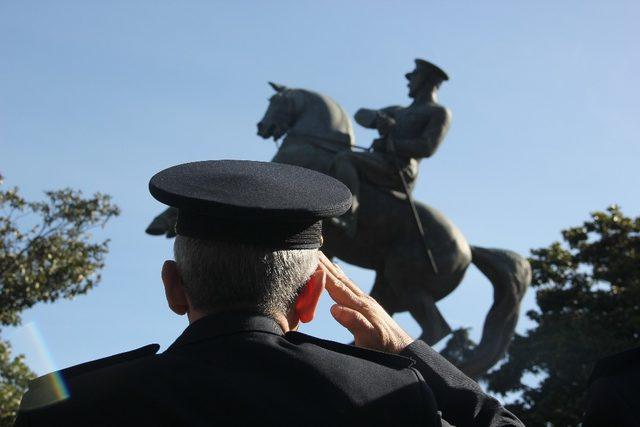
x=320 y=117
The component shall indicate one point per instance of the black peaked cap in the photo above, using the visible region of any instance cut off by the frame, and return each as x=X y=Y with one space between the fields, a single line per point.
x=431 y=69
x=266 y=204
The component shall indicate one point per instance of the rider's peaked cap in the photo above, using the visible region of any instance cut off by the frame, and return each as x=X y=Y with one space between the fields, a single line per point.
x=431 y=69
x=271 y=205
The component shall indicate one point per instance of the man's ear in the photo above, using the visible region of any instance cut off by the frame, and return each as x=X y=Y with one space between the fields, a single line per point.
x=173 y=290
x=307 y=301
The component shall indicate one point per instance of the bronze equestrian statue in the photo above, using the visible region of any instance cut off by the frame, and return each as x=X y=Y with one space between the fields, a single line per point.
x=318 y=135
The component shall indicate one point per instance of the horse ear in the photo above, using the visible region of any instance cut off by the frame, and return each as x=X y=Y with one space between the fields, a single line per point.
x=277 y=87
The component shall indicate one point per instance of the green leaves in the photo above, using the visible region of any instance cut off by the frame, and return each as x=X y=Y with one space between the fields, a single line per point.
x=46 y=250
x=46 y=253
x=588 y=293
x=459 y=347
x=14 y=378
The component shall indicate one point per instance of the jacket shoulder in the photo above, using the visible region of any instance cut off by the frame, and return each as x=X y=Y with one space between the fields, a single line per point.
x=52 y=387
x=388 y=360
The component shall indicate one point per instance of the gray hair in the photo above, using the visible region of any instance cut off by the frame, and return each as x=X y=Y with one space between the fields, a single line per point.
x=218 y=274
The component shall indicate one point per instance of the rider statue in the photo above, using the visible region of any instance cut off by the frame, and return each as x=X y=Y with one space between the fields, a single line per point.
x=407 y=134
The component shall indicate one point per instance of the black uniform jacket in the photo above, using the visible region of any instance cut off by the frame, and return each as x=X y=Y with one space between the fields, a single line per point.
x=239 y=369
x=613 y=398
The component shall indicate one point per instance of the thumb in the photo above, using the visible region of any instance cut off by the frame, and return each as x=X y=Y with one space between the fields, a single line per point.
x=355 y=322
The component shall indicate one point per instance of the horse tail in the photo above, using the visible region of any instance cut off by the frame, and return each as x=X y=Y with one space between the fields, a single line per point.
x=510 y=275
x=164 y=224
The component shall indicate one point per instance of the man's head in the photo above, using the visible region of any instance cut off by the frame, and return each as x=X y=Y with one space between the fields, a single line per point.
x=425 y=77
x=248 y=237
x=209 y=276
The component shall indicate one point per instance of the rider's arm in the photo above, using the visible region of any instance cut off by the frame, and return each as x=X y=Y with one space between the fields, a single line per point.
x=430 y=139
x=367 y=118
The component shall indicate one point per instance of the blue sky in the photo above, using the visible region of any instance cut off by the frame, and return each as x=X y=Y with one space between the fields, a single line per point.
x=101 y=95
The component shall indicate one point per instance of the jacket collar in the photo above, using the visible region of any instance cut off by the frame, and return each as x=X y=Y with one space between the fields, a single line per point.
x=226 y=323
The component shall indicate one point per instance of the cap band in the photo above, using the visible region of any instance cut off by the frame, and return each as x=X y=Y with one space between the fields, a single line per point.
x=274 y=235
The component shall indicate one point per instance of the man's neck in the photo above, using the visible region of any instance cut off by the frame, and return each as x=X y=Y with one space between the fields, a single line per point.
x=428 y=95
x=286 y=323
x=193 y=315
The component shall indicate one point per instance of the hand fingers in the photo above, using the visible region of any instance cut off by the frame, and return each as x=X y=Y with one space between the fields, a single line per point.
x=338 y=274
x=341 y=289
x=341 y=294
x=328 y=265
x=354 y=321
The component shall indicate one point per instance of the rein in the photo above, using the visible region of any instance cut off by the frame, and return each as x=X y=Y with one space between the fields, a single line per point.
x=311 y=140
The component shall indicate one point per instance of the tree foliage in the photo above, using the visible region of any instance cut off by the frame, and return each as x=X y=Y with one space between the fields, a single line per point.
x=14 y=378
x=588 y=296
x=46 y=253
x=459 y=347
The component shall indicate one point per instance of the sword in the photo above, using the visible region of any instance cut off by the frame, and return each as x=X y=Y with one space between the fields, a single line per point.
x=412 y=205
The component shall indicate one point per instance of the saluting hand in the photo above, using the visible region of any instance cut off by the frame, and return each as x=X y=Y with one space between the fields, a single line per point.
x=369 y=323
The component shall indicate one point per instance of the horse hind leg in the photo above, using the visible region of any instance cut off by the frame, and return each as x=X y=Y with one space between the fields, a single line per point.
x=426 y=314
x=417 y=290
x=384 y=295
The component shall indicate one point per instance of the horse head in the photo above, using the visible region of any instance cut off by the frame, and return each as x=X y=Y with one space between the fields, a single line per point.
x=280 y=115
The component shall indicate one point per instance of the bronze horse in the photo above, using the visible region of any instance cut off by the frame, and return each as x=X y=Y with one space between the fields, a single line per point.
x=315 y=129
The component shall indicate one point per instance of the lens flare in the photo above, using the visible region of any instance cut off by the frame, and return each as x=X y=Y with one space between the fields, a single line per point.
x=49 y=388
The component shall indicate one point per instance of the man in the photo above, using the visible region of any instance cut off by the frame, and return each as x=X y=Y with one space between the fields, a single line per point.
x=247 y=272
x=407 y=134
